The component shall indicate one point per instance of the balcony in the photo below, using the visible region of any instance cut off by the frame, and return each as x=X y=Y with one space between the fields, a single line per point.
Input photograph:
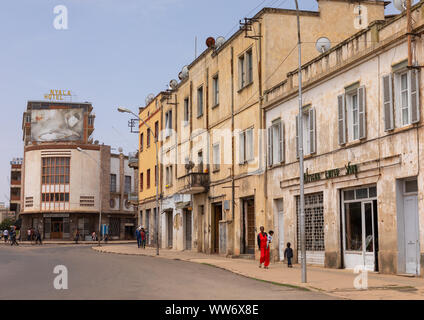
x=133 y=198
x=195 y=182
x=15 y=182
x=133 y=160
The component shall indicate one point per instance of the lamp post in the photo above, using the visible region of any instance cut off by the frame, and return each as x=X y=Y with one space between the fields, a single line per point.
x=124 y=110
x=101 y=190
x=300 y=143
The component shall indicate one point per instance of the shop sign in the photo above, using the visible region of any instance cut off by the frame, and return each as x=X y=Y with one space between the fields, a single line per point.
x=332 y=173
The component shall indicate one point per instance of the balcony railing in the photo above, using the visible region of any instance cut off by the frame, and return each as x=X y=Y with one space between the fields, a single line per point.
x=133 y=197
x=195 y=182
x=133 y=160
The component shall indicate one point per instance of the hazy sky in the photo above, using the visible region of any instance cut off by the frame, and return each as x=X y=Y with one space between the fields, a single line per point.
x=115 y=52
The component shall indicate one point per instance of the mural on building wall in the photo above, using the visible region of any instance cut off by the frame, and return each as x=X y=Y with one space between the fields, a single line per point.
x=57 y=125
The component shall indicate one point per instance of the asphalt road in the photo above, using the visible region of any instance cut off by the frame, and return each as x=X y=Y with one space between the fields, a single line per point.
x=26 y=272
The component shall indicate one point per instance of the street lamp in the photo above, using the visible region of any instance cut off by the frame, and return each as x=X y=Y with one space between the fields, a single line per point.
x=101 y=190
x=155 y=137
x=300 y=143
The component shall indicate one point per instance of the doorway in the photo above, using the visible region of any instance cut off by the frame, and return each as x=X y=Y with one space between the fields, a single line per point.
x=216 y=217
x=408 y=226
x=56 y=228
x=188 y=229
x=360 y=231
x=279 y=212
x=248 y=226
x=170 y=228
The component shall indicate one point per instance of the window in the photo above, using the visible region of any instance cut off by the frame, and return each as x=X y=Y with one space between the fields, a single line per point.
x=245 y=69
x=113 y=183
x=148 y=138
x=246 y=146
x=148 y=179
x=309 y=132
x=127 y=184
x=215 y=87
x=168 y=123
x=216 y=157
x=186 y=110
x=276 y=142
x=141 y=182
x=156 y=130
x=401 y=99
x=156 y=175
x=200 y=102
x=352 y=115
x=55 y=173
x=141 y=141
x=168 y=172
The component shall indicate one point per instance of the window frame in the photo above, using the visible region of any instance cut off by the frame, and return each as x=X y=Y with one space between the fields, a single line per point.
x=216 y=157
x=200 y=101
x=215 y=88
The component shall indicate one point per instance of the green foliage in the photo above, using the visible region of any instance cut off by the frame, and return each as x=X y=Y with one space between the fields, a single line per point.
x=6 y=224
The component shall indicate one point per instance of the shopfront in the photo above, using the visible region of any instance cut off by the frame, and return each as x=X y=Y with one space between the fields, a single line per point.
x=360 y=227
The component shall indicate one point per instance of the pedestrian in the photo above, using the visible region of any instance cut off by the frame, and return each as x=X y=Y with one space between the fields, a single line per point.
x=138 y=237
x=13 y=237
x=262 y=244
x=143 y=238
x=77 y=235
x=288 y=254
x=269 y=242
x=5 y=235
x=94 y=236
x=38 y=237
x=29 y=234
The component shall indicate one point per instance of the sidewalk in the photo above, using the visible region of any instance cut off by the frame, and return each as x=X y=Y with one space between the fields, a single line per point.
x=336 y=282
x=67 y=242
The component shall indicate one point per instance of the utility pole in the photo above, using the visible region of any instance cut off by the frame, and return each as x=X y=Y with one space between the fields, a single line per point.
x=300 y=143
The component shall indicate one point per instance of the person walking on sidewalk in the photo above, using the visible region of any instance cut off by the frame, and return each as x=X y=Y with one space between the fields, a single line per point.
x=288 y=254
x=269 y=244
x=262 y=244
x=13 y=237
x=77 y=234
x=143 y=238
x=5 y=235
x=138 y=237
x=38 y=236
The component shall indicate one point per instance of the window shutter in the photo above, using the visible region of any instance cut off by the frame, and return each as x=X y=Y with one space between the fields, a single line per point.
x=362 y=113
x=249 y=145
x=270 y=146
x=297 y=136
x=312 y=131
x=415 y=95
x=342 y=118
x=241 y=148
x=281 y=145
x=388 y=102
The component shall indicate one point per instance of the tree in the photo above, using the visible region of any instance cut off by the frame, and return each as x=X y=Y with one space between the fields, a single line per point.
x=6 y=224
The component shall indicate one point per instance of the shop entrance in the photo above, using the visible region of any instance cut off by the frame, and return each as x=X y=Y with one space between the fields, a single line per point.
x=187 y=229
x=170 y=228
x=56 y=231
x=216 y=217
x=360 y=228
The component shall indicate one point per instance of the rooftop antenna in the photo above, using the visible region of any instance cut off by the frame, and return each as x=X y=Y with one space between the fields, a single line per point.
x=195 y=48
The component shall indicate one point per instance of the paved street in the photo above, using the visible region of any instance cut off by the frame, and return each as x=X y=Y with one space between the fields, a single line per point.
x=27 y=273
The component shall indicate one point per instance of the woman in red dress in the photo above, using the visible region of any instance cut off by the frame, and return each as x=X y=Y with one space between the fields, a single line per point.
x=262 y=244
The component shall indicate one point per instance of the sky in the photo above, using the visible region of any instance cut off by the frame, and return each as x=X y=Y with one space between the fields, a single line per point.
x=114 y=53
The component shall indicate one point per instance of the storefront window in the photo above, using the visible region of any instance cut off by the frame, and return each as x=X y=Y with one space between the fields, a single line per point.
x=353 y=226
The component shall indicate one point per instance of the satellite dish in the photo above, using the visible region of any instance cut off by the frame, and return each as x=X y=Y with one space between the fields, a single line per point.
x=96 y=142
x=149 y=98
x=184 y=72
x=210 y=42
x=120 y=149
x=173 y=84
x=323 y=44
x=189 y=165
x=180 y=76
x=399 y=4
x=219 y=41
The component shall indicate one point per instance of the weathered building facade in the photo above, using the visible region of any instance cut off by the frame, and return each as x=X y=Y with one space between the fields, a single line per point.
x=363 y=156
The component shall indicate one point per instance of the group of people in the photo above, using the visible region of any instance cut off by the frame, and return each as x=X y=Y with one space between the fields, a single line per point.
x=264 y=244
x=140 y=234
x=11 y=236
x=34 y=235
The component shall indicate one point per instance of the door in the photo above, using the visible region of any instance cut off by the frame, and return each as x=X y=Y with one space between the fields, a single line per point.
x=412 y=246
x=170 y=228
x=249 y=230
x=281 y=245
x=188 y=229
x=217 y=217
x=56 y=228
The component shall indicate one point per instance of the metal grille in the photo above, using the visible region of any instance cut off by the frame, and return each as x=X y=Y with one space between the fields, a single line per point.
x=314 y=222
x=114 y=227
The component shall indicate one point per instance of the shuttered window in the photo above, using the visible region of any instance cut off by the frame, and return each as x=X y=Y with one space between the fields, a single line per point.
x=352 y=115
x=341 y=118
x=276 y=142
x=388 y=102
x=246 y=151
x=309 y=132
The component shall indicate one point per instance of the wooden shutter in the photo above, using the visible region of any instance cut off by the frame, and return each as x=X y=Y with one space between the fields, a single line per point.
x=342 y=118
x=297 y=136
x=362 y=113
x=281 y=142
x=249 y=153
x=270 y=159
x=414 y=96
x=388 y=102
x=312 y=131
x=241 y=147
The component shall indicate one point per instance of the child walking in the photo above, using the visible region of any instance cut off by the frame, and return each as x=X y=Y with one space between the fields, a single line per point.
x=288 y=254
